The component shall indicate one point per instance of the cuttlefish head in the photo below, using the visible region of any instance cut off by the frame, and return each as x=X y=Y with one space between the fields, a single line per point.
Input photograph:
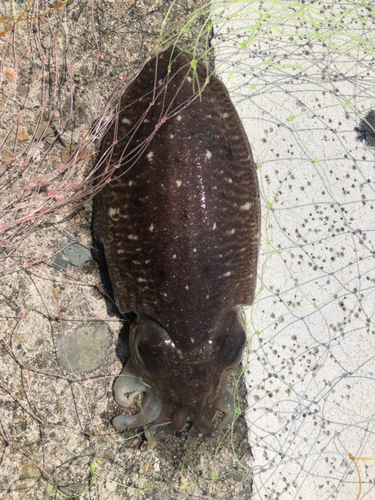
x=183 y=381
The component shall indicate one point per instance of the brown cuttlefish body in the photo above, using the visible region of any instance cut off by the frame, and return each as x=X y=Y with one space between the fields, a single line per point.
x=179 y=227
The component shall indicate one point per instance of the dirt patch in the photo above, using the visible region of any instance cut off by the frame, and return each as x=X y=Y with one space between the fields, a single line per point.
x=65 y=70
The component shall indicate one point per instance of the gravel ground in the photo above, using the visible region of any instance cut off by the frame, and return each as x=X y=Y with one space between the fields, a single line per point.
x=56 y=404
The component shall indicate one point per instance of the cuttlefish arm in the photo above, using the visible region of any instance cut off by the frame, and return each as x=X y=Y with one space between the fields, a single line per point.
x=130 y=383
x=225 y=405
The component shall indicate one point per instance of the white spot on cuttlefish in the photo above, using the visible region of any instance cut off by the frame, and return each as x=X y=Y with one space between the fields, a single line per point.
x=150 y=155
x=141 y=280
x=192 y=340
x=179 y=118
x=171 y=136
x=187 y=287
x=113 y=212
x=120 y=251
x=132 y=237
x=147 y=261
x=232 y=231
x=194 y=249
x=178 y=183
x=188 y=79
x=246 y=206
x=130 y=183
x=214 y=226
x=174 y=256
x=227 y=274
x=126 y=120
x=208 y=154
x=151 y=228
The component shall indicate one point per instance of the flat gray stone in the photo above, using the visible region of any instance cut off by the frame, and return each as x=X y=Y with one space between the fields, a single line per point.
x=59 y=263
x=76 y=253
x=85 y=349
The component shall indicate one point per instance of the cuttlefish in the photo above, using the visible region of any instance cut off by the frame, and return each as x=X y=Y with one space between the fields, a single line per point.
x=177 y=219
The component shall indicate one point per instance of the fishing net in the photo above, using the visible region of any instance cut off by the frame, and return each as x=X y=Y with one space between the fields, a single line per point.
x=302 y=77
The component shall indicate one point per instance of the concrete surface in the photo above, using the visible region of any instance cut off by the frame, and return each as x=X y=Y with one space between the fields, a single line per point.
x=310 y=366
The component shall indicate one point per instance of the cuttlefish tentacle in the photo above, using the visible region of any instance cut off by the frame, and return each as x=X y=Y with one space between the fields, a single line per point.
x=127 y=382
x=130 y=382
x=162 y=426
x=225 y=404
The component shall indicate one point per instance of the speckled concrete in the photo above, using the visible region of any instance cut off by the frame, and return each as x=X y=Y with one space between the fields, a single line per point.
x=310 y=364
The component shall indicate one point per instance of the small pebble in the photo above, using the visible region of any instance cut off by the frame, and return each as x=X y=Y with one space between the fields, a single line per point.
x=10 y=75
x=22 y=134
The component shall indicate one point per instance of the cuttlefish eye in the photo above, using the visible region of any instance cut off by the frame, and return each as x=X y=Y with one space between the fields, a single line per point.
x=231 y=338
x=150 y=346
